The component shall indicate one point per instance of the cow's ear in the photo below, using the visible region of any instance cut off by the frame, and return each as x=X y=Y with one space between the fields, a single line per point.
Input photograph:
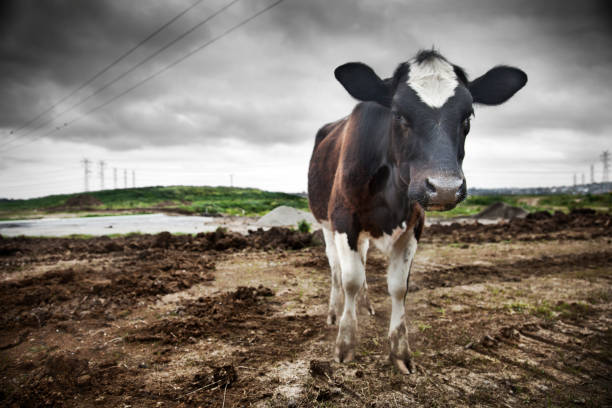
x=362 y=83
x=497 y=85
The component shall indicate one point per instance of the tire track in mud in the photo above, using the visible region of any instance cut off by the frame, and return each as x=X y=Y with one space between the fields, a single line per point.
x=533 y=346
x=427 y=277
x=510 y=271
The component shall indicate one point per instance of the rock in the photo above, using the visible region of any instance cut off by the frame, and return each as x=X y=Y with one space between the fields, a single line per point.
x=84 y=379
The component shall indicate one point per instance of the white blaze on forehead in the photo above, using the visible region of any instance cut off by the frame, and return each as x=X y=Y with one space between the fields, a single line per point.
x=434 y=80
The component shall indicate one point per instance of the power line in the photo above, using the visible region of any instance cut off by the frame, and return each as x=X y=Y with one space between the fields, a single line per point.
x=132 y=69
x=102 y=164
x=154 y=75
x=62 y=180
x=605 y=159
x=86 y=163
x=104 y=70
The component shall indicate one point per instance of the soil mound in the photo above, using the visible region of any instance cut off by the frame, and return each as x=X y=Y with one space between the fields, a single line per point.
x=578 y=224
x=501 y=210
x=285 y=216
x=81 y=201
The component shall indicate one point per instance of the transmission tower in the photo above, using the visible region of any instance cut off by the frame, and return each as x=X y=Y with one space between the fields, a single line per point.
x=582 y=179
x=115 y=177
x=605 y=159
x=86 y=163
x=102 y=164
x=574 y=179
x=592 y=174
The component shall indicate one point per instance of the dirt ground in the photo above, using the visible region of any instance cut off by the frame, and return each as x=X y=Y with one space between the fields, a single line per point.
x=508 y=315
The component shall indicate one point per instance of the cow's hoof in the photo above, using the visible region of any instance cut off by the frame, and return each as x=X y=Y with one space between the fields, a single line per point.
x=371 y=310
x=344 y=352
x=403 y=364
x=346 y=340
x=400 y=355
x=331 y=319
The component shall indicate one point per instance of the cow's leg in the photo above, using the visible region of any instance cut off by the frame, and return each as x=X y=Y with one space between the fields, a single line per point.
x=335 y=295
x=353 y=278
x=400 y=261
x=363 y=252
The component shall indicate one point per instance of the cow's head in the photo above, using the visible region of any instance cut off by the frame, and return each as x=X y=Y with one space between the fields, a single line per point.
x=431 y=104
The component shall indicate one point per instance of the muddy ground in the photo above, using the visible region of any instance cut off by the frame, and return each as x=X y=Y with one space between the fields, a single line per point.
x=509 y=315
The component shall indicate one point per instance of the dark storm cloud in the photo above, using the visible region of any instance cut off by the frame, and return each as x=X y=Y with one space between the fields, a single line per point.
x=272 y=81
x=48 y=48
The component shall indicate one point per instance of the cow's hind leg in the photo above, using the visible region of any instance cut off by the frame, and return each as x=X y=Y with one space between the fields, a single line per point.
x=353 y=278
x=335 y=294
x=363 y=252
x=400 y=261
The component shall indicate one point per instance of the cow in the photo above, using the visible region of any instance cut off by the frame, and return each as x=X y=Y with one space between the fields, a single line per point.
x=373 y=174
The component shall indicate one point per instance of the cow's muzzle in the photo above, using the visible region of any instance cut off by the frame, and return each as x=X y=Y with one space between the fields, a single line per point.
x=444 y=193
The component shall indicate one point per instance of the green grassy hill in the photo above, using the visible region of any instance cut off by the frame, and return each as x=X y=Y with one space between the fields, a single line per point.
x=249 y=202
x=186 y=199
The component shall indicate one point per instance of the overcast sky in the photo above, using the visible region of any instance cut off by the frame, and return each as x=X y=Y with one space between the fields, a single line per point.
x=250 y=103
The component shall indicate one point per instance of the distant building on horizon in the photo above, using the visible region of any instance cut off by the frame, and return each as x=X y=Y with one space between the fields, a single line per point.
x=591 y=188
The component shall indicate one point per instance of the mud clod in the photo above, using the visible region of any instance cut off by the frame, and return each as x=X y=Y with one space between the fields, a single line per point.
x=224 y=376
x=320 y=368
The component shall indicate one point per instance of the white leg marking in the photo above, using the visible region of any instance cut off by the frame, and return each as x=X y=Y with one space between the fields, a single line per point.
x=364 y=245
x=335 y=294
x=400 y=262
x=398 y=273
x=353 y=278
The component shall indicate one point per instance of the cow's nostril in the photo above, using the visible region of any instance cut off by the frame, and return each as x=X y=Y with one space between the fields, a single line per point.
x=430 y=186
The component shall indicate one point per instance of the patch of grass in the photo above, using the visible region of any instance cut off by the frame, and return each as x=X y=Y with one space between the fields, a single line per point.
x=423 y=326
x=37 y=348
x=495 y=291
x=303 y=226
x=80 y=236
x=546 y=310
x=517 y=307
x=542 y=309
x=599 y=296
x=572 y=311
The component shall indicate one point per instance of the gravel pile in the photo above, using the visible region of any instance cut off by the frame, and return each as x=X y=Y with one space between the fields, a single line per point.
x=284 y=216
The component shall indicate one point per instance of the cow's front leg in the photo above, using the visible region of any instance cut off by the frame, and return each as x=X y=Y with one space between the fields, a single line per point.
x=353 y=278
x=398 y=274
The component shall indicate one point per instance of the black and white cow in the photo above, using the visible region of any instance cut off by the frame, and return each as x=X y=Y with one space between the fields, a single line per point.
x=373 y=173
